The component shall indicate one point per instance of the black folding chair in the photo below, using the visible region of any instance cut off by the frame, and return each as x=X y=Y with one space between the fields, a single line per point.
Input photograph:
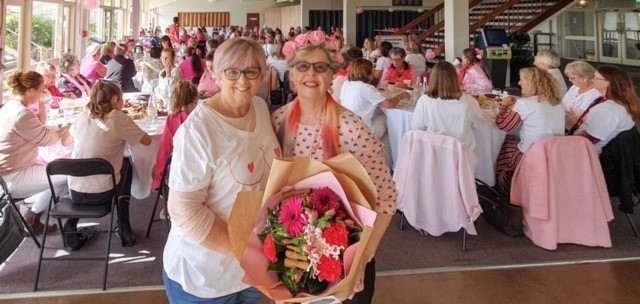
x=66 y=208
x=164 y=193
x=14 y=204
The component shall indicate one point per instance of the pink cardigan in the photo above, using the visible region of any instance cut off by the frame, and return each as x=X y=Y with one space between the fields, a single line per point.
x=166 y=147
x=436 y=188
x=562 y=191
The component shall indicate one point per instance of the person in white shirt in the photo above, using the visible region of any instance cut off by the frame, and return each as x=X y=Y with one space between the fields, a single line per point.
x=279 y=61
x=619 y=112
x=213 y=148
x=383 y=61
x=416 y=58
x=538 y=114
x=582 y=94
x=549 y=61
x=446 y=109
x=368 y=46
x=268 y=46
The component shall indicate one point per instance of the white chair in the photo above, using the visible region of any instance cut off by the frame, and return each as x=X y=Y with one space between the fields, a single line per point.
x=436 y=187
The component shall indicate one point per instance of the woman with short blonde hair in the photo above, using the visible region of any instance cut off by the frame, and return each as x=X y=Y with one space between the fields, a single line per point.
x=582 y=94
x=549 y=61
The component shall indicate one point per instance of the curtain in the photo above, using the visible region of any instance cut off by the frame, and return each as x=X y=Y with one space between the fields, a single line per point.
x=326 y=19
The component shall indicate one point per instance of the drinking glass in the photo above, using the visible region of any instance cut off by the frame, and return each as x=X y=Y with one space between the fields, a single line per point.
x=67 y=113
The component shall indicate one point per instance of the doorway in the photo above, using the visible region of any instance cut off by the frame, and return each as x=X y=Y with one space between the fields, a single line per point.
x=253 y=20
x=620 y=37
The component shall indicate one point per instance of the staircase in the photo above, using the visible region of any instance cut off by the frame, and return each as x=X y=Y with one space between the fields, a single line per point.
x=512 y=15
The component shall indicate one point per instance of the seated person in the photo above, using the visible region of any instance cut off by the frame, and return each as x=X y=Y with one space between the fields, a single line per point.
x=71 y=83
x=446 y=109
x=183 y=100
x=582 y=94
x=169 y=76
x=208 y=86
x=151 y=69
x=539 y=114
x=91 y=67
x=619 y=111
x=103 y=131
x=192 y=67
x=473 y=75
x=122 y=69
x=549 y=61
x=382 y=61
x=399 y=71
x=21 y=133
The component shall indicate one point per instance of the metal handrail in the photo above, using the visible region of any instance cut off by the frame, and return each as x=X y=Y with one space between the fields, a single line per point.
x=38 y=48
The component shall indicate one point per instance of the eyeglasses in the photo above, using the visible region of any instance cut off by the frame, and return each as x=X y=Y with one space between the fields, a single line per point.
x=319 y=67
x=234 y=74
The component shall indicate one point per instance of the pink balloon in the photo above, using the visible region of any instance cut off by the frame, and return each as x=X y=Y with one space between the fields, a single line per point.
x=91 y=4
x=359 y=10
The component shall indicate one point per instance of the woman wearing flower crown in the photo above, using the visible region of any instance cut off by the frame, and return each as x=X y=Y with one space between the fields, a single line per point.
x=473 y=75
x=314 y=125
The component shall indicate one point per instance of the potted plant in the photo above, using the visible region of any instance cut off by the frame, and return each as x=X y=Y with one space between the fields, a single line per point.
x=521 y=56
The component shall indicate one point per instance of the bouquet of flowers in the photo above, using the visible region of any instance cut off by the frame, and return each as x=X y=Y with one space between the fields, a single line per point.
x=305 y=238
x=310 y=228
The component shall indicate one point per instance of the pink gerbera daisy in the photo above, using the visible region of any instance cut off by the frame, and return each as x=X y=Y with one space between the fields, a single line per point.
x=292 y=216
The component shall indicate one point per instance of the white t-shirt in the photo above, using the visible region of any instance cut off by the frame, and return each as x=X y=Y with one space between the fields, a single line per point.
x=210 y=153
x=279 y=64
x=577 y=103
x=94 y=138
x=382 y=63
x=562 y=85
x=418 y=62
x=539 y=120
x=449 y=116
x=605 y=121
x=269 y=49
x=362 y=99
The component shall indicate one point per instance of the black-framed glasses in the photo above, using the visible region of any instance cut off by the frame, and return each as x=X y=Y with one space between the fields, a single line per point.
x=319 y=67
x=234 y=74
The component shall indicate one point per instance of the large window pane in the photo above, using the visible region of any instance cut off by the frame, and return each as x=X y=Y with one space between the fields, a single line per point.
x=43 y=30
x=582 y=49
x=632 y=24
x=11 y=34
x=580 y=23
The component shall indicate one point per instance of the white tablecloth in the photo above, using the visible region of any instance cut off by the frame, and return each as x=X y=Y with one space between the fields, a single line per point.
x=488 y=137
x=143 y=158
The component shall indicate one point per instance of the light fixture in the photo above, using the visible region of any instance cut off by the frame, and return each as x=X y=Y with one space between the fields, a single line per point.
x=420 y=10
x=583 y=3
x=391 y=10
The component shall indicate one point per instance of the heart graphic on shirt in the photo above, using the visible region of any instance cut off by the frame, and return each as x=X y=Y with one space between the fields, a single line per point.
x=277 y=152
x=250 y=167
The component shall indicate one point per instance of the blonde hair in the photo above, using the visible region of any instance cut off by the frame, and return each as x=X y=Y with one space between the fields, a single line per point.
x=361 y=70
x=548 y=58
x=108 y=48
x=184 y=94
x=100 y=100
x=542 y=84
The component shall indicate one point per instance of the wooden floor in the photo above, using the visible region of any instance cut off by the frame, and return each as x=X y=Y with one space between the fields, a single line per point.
x=613 y=282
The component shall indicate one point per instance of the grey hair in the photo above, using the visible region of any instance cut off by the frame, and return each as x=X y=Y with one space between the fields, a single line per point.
x=68 y=61
x=580 y=69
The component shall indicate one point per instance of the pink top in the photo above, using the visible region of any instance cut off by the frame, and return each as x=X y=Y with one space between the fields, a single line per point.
x=475 y=81
x=89 y=69
x=354 y=138
x=187 y=70
x=208 y=83
x=166 y=147
x=21 y=133
x=390 y=75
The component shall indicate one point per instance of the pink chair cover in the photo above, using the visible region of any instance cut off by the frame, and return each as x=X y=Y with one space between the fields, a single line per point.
x=436 y=188
x=562 y=191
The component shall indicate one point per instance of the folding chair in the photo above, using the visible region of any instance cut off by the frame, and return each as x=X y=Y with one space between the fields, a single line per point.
x=164 y=193
x=66 y=208
x=14 y=203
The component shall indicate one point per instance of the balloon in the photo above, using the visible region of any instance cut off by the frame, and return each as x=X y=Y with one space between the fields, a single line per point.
x=91 y=4
x=359 y=10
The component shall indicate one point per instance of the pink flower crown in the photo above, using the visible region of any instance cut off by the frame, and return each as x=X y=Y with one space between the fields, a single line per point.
x=311 y=38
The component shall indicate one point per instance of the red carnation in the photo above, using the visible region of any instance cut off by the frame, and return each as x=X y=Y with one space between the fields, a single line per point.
x=329 y=269
x=324 y=199
x=269 y=249
x=336 y=234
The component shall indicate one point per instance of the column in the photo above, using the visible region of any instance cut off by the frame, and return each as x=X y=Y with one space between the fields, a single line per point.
x=349 y=21
x=24 y=44
x=135 y=18
x=456 y=28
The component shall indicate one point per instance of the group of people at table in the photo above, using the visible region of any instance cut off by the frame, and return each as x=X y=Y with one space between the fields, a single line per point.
x=213 y=141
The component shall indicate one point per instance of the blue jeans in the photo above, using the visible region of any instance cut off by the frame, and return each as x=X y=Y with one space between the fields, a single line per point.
x=177 y=295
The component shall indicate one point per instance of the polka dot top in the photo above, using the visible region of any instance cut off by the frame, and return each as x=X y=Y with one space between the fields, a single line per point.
x=355 y=138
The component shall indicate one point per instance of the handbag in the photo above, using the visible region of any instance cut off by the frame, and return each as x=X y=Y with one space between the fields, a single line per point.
x=498 y=211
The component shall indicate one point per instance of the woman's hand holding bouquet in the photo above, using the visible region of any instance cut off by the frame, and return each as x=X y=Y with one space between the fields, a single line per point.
x=311 y=226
